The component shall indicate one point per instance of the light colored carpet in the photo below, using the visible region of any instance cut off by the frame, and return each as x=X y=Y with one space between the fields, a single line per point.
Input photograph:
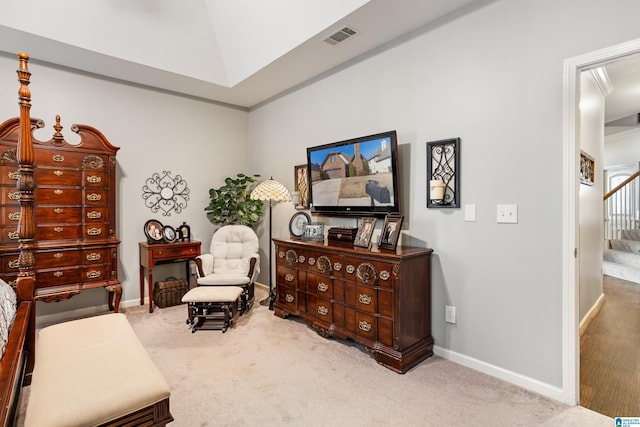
x=275 y=372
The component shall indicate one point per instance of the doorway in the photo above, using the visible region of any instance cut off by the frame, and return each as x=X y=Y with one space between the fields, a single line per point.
x=573 y=67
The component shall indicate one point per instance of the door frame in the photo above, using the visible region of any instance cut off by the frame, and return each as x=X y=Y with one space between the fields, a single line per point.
x=570 y=194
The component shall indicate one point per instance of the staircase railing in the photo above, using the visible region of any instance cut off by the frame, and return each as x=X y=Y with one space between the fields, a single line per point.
x=622 y=207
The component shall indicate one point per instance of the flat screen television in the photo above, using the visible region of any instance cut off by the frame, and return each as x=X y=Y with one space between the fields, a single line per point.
x=355 y=177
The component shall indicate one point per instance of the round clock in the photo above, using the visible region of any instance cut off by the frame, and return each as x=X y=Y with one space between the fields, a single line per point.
x=297 y=224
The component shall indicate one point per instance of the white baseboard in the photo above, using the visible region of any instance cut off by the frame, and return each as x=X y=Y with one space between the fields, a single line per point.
x=591 y=314
x=503 y=374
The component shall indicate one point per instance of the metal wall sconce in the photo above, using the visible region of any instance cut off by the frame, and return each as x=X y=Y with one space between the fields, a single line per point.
x=443 y=173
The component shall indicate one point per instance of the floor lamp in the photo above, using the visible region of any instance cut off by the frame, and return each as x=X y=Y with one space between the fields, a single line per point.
x=271 y=191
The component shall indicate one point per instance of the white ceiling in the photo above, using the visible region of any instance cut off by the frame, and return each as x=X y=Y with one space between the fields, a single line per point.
x=622 y=105
x=239 y=52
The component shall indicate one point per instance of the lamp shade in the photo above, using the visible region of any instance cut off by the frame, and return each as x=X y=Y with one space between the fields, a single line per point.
x=271 y=190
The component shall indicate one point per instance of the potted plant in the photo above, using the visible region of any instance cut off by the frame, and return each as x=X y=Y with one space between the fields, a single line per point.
x=232 y=203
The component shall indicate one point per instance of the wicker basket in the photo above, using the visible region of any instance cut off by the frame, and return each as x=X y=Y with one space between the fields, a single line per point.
x=169 y=291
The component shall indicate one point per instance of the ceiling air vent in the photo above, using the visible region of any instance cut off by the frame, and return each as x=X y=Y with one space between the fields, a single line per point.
x=340 y=36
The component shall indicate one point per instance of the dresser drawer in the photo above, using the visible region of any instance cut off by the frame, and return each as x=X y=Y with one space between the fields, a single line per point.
x=174 y=253
x=287 y=276
x=366 y=299
x=288 y=297
x=320 y=308
x=58 y=196
x=58 y=276
x=96 y=197
x=59 y=177
x=366 y=326
x=10 y=215
x=96 y=214
x=58 y=232
x=96 y=256
x=95 y=179
x=56 y=259
x=96 y=273
x=10 y=196
x=320 y=285
x=70 y=159
x=9 y=234
x=322 y=263
x=58 y=214
x=96 y=231
x=9 y=175
x=10 y=263
x=291 y=257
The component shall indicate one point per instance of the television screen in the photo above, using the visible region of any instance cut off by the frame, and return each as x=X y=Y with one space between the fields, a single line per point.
x=355 y=177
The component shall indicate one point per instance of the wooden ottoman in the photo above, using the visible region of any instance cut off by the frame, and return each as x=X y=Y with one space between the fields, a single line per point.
x=212 y=307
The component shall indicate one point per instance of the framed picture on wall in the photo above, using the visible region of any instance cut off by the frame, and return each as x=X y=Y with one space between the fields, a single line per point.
x=587 y=168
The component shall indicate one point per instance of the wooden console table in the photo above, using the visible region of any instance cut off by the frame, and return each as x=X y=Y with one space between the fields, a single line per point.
x=162 y=253
x=379 y=299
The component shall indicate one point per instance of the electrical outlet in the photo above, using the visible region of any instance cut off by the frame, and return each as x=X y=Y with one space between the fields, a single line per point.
x=507 y=214
x=450 y=314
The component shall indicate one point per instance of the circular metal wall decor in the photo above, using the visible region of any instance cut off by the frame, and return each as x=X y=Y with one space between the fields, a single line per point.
x=164 y=193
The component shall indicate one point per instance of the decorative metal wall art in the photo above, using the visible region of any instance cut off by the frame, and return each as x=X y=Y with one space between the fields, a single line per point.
x=163 y=193
x=443 y=173
x=301 y=185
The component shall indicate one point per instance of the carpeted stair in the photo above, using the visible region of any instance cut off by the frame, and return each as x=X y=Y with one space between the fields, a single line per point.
x=622 y=259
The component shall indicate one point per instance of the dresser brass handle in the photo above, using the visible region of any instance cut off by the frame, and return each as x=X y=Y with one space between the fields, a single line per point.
x=312 y=260
x=288 y=277
x=323 y=287
x=323 y=310
x=337 y=266
x=365 y=326
x=301 y=259
x=94 y=215
x=93 y=274
x=289 y=298
x=58 y=210
x=58 y=255
x=365 y=299
x=94 y=256
x=58 y=191
x=384 y=275
x=281 y=254
x=14 y=195
x=14 y=264
x=58 y=172
x=13 y=235
x=94 y=197
x=95 y=231
x=14 y=216
x=93 y=179
x=59 y=158
x=58 y=273
x=14 y=175
x=351 y=268
x=58 y=229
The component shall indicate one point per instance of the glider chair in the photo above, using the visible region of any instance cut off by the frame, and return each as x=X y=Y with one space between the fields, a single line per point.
x=233 y=260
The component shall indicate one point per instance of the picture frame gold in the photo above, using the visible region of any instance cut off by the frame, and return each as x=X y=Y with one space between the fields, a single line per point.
x=301 y=185
x=363 y=236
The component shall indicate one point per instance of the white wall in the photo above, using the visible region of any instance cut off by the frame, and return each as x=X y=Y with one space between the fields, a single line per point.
x=156 y=132
x=591 y=206
x=492 y=77
x=622 y=149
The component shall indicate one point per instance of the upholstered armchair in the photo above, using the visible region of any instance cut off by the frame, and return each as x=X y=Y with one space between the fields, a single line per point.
x=233 y=260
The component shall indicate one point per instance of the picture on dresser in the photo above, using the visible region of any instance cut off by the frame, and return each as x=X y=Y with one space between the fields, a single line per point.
x=390 y=232
x=363 y=237
x=169 y=234
x=153 y=230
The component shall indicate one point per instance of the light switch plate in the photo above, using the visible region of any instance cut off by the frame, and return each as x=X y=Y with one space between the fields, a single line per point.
x=470 y=212
x=507 y=214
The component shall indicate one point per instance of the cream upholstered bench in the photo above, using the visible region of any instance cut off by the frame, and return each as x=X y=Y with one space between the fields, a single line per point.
x=212 y=307
x=92 y=372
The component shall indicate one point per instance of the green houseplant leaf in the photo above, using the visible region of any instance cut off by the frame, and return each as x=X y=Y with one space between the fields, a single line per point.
x=232 y=203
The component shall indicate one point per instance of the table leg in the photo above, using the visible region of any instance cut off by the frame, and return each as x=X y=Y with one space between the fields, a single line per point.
x=141 y=285
x=150 y=278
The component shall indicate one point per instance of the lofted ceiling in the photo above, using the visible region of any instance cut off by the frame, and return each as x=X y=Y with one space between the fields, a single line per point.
x=238 y=52
x=622 y=105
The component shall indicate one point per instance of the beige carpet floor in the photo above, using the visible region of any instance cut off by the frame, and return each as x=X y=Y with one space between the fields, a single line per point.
x=275 y=372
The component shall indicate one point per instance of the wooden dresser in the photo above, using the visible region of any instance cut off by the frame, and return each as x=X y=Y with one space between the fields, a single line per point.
x=74 y=211
x=379 y=299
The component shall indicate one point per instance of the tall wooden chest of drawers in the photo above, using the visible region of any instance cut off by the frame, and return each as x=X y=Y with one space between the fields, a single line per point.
x=381 y=300
x=74 y=212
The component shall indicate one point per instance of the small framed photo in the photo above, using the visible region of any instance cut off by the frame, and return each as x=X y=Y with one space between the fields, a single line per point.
x=363 y=236
x=587 y=168
x=390 y=232
x=314 y=231
x=169 y=234
x=297 y=224
x=153 y=229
